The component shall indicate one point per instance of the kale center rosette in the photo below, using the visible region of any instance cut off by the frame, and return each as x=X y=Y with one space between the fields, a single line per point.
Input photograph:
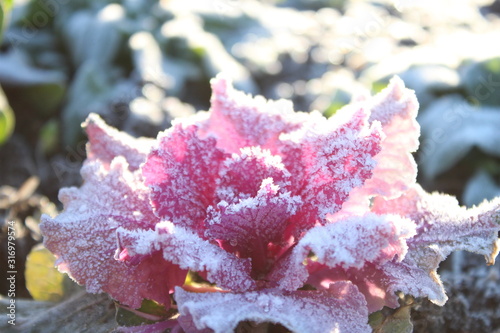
x=262 y=201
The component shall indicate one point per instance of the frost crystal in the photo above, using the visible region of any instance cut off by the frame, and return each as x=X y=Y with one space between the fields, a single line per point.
x=263 y=201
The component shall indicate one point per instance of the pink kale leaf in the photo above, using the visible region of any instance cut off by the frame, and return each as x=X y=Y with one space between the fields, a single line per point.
x=442 y=228
x=340 y=308
x=83 y=236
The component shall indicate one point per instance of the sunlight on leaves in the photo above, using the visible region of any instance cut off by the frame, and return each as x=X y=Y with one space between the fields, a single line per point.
x=393 y=321
x=5 y=7
x=43 y=280
x=7 y=119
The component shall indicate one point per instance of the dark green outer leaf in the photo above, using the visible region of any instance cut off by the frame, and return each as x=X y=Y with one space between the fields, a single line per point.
x=149 y=313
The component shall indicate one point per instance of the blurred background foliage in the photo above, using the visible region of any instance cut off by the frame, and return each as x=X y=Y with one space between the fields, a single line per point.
x=7 y=120
x=139 y=64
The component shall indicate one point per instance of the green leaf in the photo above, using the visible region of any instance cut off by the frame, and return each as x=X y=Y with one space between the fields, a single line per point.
x=333 y=108
x=40 y=13
x=7 y=119
x=150 y=312
x=43 y=280
x=37 y=89
x=45 y=98
x=17 y=70
x=2 y=19
x=380 y=85
x=482 y=82
x=393 y=321
x=49 y=136
x=5 y=7
x=340 y=98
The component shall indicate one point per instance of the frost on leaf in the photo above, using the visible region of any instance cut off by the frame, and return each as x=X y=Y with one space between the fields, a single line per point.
x=238 y=120
x=83 y=237
x=350 y=243
x=328 y=160
x=341 y=308
x=442 y=227
x=242 y=174
x=396 y=108
x=186 y=249
x=251 y=224
x=378 y=282
x=395 y=171
x=182 y=173
x=105 y=143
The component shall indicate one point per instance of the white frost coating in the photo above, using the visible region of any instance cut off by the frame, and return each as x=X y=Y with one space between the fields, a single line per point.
x=313 y=119
x=265 y=155
x=107 y=142
x=240 y=120
x=442 y=227
x=267 y=187
x=198 y=119
x=254 y=222
x=395 y=171
x=144 y=241
x=394 y=101
x=339 y=311
x=83 y=236
x=335 y=157
x=442 y=222
x=396 y=108
x=473 y=231
x=186 y=249
x=410 y=279
x=189 y=251
x=241 y=175
x=181 y=173
x=281 y=107
x=351 y=243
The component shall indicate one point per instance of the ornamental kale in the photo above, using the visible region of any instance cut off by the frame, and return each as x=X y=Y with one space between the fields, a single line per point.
x=295 y=219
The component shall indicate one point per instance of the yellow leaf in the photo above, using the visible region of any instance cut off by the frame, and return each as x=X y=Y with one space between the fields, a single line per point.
x=43 y=280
